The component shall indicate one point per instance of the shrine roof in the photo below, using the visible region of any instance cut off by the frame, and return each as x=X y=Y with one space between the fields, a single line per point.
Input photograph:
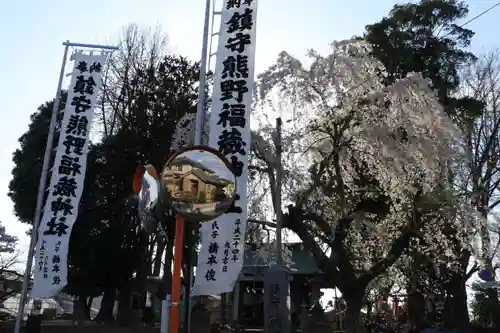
x=300 y=260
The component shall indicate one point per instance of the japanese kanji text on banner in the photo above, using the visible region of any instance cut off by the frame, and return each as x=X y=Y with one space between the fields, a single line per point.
x=223 y=240
x=68 y=174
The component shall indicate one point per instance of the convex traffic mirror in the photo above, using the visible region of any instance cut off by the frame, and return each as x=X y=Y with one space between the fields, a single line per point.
x=198 y=184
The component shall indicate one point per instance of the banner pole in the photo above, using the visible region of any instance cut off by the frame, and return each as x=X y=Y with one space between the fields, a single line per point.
x=41 y=192
x=165 y=314
x=176 y=274
x=279 y=180
x=199 y=124
x=200 y=109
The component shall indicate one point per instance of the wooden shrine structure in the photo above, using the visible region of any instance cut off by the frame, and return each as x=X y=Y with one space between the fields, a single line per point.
x=244 y=306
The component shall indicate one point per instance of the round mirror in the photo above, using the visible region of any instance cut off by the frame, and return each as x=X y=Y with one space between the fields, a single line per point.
x=147 y=188
x=199 y=184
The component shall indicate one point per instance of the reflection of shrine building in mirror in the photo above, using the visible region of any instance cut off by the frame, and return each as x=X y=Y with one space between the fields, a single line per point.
x=199 y=185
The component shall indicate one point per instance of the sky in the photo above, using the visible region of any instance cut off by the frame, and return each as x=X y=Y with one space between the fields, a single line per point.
x=212 y=162
x=32 y=32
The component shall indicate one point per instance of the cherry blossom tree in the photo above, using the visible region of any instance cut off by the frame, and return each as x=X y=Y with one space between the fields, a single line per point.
x=377 y=156
x=263 y=175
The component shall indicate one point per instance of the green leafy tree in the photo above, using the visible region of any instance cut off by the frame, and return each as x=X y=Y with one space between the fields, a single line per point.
x=28 y=161
x=424 y=37
x=146 y=96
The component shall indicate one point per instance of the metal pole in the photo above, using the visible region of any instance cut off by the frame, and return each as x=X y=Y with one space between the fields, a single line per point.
x=277 y=209
x=188 y=305
x=176 y=275
x=200 y=117
x=236 y=303
x=189 y=242
x=91 y=46
x=209 y=55
x=41 y=192
x=165 y=319
x=165 y=313
x=200 y=110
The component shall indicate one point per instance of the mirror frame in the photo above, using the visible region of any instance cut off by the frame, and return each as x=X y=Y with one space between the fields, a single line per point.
x=163 y=195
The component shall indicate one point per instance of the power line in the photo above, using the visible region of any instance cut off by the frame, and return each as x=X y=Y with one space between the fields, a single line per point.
x=479 y=15
x=461 y=26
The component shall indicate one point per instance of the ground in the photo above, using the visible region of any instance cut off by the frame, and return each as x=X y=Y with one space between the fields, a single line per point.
x=66 y=326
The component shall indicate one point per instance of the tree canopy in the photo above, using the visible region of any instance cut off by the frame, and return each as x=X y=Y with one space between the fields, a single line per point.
x=28 y=161
x=424 y=37
x=379 y=123
x=378 y=154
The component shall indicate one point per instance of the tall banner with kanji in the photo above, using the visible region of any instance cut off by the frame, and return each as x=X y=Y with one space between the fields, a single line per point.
x=67 y=178
x=223 y=240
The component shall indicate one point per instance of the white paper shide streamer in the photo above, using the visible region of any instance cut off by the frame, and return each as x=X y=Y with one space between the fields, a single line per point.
x=222 y=240
x=67 y=179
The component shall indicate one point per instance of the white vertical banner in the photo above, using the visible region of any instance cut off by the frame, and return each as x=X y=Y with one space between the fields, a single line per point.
x=68 y=175
x=223 y=240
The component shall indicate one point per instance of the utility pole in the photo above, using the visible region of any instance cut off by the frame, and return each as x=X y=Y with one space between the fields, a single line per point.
x=277 y=209
x=276 y=285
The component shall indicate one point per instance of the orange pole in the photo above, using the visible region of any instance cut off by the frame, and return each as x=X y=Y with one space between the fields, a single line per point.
x=176 y=274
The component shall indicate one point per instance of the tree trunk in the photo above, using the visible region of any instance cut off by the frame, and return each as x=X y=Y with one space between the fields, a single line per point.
x=124 y=315
x=88 y=307
x=494 y=302
x=416 y=299
x=107 y=303
x=416 y=307
x=354 y=302
x=167 y=268
x=79 y=310
x=494 y=306
x=157 y=265
x=456 y=314
x=159 y=255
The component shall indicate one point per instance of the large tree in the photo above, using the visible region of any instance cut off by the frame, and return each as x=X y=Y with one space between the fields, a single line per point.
x=378 y=152
x=28 y=161
x=146 y=94
x=425 y=37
